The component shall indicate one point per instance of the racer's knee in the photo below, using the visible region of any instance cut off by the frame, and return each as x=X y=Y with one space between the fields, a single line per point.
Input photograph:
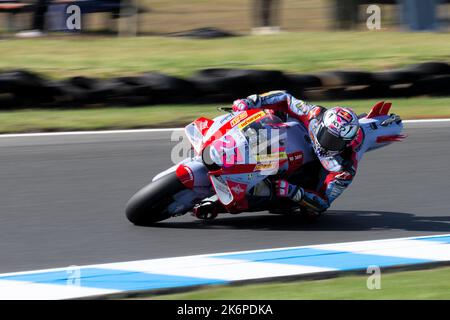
x=314 y=202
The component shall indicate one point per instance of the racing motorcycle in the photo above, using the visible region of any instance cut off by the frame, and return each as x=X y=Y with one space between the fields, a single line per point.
x=238 y=155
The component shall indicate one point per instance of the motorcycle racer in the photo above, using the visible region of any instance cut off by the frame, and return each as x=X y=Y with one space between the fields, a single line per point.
x=335 y=137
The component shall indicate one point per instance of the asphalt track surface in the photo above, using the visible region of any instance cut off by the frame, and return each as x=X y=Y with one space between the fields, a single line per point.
x=63 y=197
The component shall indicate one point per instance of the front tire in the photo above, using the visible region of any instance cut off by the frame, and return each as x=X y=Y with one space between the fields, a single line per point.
x=149 y=205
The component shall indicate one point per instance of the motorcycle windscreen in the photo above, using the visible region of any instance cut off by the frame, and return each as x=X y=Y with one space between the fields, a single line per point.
x=195 y=136
x=223 y=192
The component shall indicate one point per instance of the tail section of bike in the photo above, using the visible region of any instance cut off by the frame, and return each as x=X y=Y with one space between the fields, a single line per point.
x=379 y=128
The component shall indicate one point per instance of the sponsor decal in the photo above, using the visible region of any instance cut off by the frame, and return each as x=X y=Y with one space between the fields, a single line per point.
x=238 y=118
x=251 y=119
x=238 y=189
x=298 y=155
x=226 y=118
x=295 y=160
x=266 y=166
x=271 y=157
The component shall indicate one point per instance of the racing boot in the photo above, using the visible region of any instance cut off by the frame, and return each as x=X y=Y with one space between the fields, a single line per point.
x=393 y=118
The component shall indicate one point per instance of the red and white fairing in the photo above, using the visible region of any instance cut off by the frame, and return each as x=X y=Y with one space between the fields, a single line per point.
x=231 y=143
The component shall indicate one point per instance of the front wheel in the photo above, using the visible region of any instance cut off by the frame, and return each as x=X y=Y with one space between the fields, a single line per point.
x=150 y=204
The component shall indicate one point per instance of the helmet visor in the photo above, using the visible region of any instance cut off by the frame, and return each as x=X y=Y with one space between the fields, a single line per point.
x=329 y=141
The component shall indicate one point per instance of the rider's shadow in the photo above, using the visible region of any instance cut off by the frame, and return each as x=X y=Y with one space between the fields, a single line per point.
x=333 y=220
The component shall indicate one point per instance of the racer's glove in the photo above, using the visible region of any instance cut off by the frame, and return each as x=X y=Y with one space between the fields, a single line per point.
x=241 y=105
x=286 y=190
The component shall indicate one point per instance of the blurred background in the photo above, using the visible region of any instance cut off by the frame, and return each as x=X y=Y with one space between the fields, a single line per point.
x=165 y=16
x=75 y=64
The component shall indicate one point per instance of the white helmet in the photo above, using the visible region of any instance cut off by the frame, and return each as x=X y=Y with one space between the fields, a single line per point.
x=336 y=129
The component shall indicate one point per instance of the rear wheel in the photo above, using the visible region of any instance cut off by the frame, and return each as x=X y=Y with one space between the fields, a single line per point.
x=149 y=205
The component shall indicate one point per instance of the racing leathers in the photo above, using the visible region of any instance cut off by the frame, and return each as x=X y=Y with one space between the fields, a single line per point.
x=337 y=169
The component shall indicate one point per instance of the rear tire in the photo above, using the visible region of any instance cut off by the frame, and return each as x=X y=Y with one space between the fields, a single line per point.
x=149 y=205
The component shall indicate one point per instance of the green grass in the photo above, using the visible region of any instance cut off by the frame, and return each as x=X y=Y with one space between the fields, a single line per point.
x=60 y=57
x=30 y=120
x=102 y=118
x=426 y=284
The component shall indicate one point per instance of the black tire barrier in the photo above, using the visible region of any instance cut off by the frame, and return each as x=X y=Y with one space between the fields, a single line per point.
x=304 y=81
x=21 y=88
x=433 y=86
x=16 y=80
x=298 y=83
x=26 y=87
x=345 y=78
x=149 y=88
x=238 y=82
x=78 y=90
x=395 y=77
x=431 y=68
x=8 y=101
x=367 y=92
x=168 y=89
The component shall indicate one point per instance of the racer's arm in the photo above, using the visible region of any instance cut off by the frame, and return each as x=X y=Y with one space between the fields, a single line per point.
x=279 y=101
x=334 y=185
x=331 y=188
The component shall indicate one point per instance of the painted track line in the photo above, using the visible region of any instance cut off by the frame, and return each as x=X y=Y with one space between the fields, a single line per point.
x=104 y=132
x=425 y=120
x=122 y=278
